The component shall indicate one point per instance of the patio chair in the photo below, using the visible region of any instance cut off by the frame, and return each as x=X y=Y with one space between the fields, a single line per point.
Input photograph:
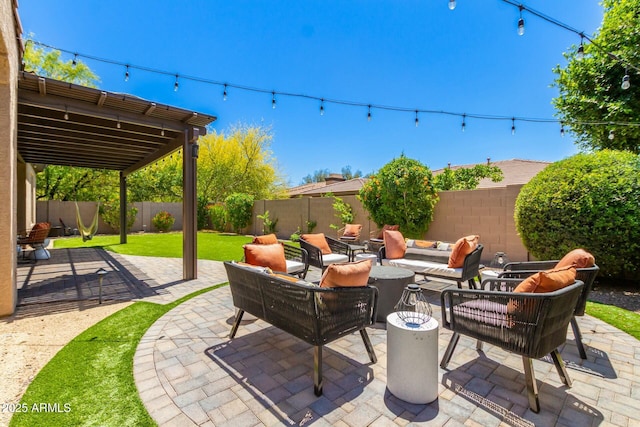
x=35 y=238
x=322 y=255
x=297 y=260
x=531 y=325
x=376 y=238
x=350 y=233
x=522 y=270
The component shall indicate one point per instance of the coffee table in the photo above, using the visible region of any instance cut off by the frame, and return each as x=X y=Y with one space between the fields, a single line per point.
x=390 y=282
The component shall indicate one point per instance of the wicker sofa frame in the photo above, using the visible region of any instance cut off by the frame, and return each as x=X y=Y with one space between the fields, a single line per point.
x=315 y=315
x=315 y=254
x=522 y=270
x=470 y=268
x=537 y=327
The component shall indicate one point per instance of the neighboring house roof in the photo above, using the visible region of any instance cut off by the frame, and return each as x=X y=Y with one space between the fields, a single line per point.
x=316 y=189
x=515 y=171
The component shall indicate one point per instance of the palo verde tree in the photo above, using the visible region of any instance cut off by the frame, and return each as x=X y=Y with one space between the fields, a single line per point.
x=593 y=104
x=402 y=193
x=466 y=178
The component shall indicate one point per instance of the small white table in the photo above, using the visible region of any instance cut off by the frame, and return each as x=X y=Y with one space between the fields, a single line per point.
x=412 y=360
x=372 y=257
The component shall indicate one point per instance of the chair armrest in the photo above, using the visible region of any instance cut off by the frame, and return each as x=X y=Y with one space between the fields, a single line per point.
x=517 y=274
x=382 y=254
x=297 y=254
x=314 y=254
x=530 y=265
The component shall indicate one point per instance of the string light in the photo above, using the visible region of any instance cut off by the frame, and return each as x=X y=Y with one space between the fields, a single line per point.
x=452 y=4
x=273 y=100
x=66 y=113
x=513 y=126
x=521 y=22
x=322 y=107
x=611 y=135
x=118 y=125
x=126 y=74
x=224 y=93
x=369 y=106
x=580 y=53
x=626 y=84
x=562 y=129
x=176 y=84
x=75 y=59
x=417 y=120
x=162 y=131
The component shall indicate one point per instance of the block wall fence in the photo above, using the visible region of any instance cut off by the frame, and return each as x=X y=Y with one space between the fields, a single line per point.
x=487 y=212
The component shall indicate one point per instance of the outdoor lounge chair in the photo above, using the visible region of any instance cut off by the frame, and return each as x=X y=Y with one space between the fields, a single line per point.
x=297 y=260
x=340 y=252
x=529 y=324
x=35 y=238
x=350 y=233
x=522 y=270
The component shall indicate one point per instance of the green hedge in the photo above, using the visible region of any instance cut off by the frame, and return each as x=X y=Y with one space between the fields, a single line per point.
x=587 y=200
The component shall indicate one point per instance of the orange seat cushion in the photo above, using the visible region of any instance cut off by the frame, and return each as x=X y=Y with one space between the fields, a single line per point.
x=271 y=256
x=463 y=247
x=578 y=258
x=352 y=230
x=267 y=239
x=394 y=244
x=319 y=241
x=346 y=274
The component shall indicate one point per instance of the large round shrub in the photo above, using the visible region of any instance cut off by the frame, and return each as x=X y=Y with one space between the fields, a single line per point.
x=590 y=201
x=402 y=193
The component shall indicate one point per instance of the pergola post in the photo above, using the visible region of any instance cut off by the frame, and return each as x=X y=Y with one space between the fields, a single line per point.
x=123 y=208
x=189 y=203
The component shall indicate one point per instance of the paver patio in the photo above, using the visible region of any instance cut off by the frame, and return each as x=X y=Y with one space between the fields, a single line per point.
x=189 y=373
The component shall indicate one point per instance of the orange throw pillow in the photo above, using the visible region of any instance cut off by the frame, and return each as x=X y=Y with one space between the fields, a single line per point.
x=271 y=256
x=578 y=258
x=394 y=244
x=463 y=247
x=346 y=274
x=267 y=239
x=352 y=230
x=555 y=279
x=319 y=241
x=387 y=227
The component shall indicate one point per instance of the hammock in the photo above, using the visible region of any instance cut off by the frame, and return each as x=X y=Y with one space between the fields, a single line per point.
x=87 y=233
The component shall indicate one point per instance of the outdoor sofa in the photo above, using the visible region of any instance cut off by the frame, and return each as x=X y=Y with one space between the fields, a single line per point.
x=311 y=313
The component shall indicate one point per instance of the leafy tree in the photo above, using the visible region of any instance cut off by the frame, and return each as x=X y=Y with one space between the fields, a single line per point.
x=466 y=178
x=347 y=174
x=79 y=184
x=110 y=213
x=590 y=88
x=159 y=182
x=590 y=201
x=343 y=211
x=240 y=162
x=239 y=210
x=402 y=193
x=47 y=63
x=321 y=175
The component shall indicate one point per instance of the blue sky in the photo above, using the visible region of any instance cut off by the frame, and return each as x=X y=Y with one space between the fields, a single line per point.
x=416 y=54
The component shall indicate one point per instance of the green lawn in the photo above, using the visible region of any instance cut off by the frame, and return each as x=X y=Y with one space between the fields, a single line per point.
x=625 y=320
x=213 y=246
x=91 y=378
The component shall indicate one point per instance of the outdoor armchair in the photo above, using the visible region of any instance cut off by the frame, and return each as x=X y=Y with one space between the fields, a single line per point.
x=350 y=233
x=522 y=270
x=531 y=325
x=35 y=237
x=297 y=260
x=339 y=252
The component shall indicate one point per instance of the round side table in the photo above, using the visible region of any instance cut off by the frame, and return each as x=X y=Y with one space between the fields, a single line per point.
x=412 y=360
x=390 y=282
x=364 y=255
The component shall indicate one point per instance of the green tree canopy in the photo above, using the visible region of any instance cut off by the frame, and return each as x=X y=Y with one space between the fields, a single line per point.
x=466 y=178
x=590 y=88
x=402 y=193
x=322 y=174
x=47 y=63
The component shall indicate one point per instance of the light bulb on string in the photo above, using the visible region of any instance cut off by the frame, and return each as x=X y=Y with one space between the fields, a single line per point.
x=273 y=100
x=452 y=4
x=176 y=84
x=464 y=123
x=513 y=126
x=417 y=119
x=626 y=84
x=580 y=53
x=520 y=22
x=162 y=131
x=126 y=74
x=369 y=114
x=75 y=59
x=562 y=129
x=118 y=125
x=66 y=113
x=322 y=107
x=611 y=135
x=224 y=93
